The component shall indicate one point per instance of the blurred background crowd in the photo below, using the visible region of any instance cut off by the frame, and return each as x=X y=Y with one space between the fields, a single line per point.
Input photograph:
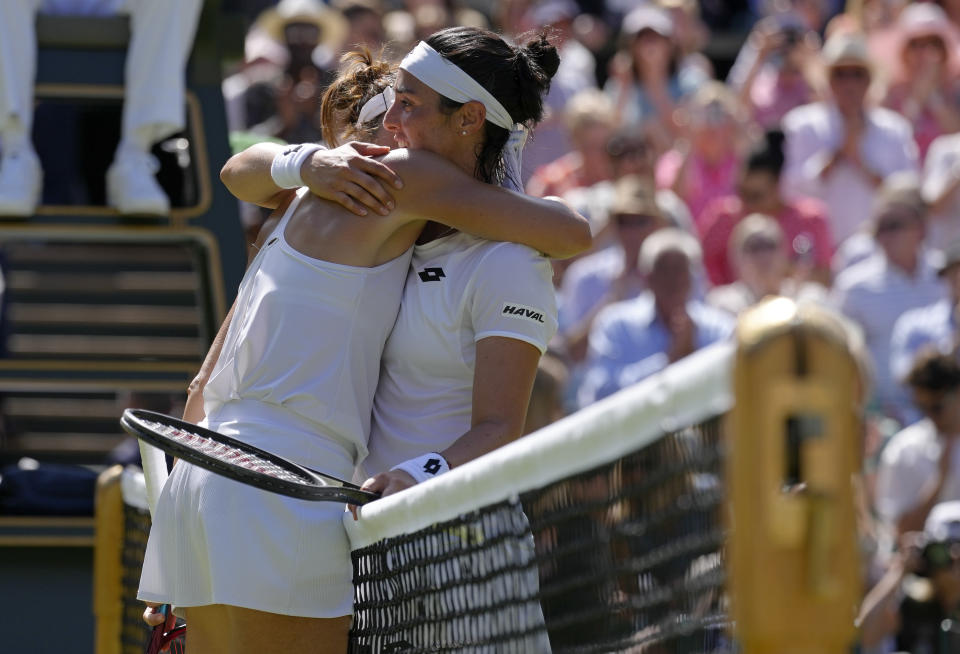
x=817 y=158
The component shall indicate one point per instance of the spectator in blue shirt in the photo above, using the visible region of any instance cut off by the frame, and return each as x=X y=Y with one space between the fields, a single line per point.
x=633 y=339
x=934 y=325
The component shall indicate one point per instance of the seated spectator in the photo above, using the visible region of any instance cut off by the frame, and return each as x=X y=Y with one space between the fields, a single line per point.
x=926 y=86
x=840 y=150
x=154 y=102
x=647 y=81
x=612 y=274
x=900 y=276
x=931 y=326
x=636 y=338
x=920 y=466
x=941 y=188
x=759 y=256
x=780 y=78
x=918 y=616
x=588 y=117
x=364 y=20
x=803 y=220
x=704 y=165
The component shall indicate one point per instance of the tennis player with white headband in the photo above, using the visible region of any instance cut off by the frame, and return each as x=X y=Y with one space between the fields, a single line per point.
x=458 y=367
x=296 y=372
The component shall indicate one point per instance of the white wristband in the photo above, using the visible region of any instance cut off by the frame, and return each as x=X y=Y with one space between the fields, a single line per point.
x=285 y=169
x=424 y=467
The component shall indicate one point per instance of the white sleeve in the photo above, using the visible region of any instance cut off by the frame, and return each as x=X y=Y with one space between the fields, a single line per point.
x=900 y=480
x=515 y=298
x=941 y=167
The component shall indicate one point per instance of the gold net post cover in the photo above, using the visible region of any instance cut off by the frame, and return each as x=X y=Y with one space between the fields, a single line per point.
x=794 y=452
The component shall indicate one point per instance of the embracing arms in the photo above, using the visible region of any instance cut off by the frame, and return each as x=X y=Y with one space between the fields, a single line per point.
x=432 y=189
x=435 y=189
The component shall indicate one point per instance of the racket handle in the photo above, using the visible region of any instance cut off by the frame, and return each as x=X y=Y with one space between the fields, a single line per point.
x=154 y=472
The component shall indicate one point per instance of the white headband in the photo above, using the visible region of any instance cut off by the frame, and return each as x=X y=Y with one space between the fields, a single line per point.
x=376 y=106
x=450 y=81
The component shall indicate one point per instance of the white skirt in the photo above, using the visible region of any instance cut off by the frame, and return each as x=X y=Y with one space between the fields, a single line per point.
x=217 y=541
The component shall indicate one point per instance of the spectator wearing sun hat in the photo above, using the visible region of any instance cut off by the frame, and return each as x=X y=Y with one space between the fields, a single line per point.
x=926 y=85
x=840 y=150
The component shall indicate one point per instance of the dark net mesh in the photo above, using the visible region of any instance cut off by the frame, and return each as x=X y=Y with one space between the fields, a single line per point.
x=134 y=633
x=625 y=557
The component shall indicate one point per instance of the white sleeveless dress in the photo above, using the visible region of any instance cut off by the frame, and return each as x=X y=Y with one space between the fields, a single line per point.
x=296 y=376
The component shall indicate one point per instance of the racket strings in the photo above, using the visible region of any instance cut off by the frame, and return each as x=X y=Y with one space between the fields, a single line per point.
x=230 y=454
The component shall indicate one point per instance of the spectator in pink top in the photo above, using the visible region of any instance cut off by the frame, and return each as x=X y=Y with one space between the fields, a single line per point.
x=804 y=221
x=589 y=120
x=706 y=166
x=926 y=85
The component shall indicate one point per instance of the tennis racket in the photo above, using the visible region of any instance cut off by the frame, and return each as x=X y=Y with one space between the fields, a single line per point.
x=164 y=640
x=239 y=461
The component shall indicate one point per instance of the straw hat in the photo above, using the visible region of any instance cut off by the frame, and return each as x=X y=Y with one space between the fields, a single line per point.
x=332 y=26
x=846 y=50
x=635 y=195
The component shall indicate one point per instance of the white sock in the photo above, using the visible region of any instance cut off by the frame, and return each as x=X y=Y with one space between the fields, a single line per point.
x=131 y=146
x=14 y=137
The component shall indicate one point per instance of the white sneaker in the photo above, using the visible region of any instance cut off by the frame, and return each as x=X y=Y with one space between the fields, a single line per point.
x=21 y=180
x=131 y=185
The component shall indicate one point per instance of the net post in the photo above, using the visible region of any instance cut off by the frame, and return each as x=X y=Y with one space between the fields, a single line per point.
x=794 y=450
x=107 y=568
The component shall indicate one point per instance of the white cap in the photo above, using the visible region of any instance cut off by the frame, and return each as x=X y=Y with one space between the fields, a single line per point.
x=647 y=17
x=943 y=523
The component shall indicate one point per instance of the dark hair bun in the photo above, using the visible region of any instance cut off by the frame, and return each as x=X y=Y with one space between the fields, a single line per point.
x=543 y=54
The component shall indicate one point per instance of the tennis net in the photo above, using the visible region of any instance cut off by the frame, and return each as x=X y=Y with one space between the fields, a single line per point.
x=601 y=533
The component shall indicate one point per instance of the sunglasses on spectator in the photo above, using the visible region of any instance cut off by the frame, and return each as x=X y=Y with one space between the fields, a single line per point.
x=926 y=42
x=636 y=149
x=637 y=220
x=760 y=245
x=888 y=225
x=850 y=73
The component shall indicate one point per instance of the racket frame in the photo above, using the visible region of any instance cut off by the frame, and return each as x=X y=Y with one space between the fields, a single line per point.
x=134 y=421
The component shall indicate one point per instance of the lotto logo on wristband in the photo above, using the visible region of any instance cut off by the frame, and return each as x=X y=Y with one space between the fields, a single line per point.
x=424 y=467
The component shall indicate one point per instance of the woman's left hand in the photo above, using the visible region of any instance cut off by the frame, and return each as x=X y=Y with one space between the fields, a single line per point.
x=386 y=483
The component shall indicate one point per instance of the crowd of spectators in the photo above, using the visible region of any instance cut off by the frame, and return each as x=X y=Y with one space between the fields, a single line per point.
x=822 y=162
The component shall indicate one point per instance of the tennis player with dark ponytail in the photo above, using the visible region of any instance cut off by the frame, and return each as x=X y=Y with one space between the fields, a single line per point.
x=299 y=363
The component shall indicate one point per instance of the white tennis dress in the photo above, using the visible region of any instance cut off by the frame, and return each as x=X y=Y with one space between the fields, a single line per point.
x=296 y=376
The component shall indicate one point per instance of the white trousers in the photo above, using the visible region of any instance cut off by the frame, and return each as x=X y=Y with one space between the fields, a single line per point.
x=162 y=34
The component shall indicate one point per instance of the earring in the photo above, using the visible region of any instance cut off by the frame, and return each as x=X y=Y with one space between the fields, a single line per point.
x=463 y=132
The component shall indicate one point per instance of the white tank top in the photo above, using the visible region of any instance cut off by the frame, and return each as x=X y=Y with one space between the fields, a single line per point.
x=305 y=341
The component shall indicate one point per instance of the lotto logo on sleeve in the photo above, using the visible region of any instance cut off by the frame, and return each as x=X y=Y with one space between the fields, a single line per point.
x=432 y=466
x=522 y=311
